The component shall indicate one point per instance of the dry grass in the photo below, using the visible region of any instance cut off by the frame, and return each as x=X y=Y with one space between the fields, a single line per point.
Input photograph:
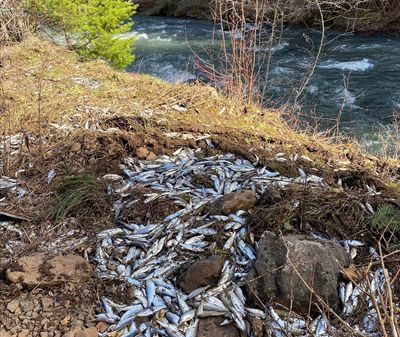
x=36 y=62
x=41 y=84
x=14 y=25
x=36 y=66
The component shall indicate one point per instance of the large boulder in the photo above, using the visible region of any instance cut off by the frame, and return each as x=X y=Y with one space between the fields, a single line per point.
x=200 y=273
x=233 y=202
x=287 y=267
x=38 y=270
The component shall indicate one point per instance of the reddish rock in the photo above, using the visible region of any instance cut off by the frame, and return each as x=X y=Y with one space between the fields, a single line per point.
x=89 y=332
x=233 y=202
x=211 y=327
x=36 y=270
x=142 y=152
x=47 y=303
x=201 y=273
x=76 y=147
x=102 y=326
x=151 y=156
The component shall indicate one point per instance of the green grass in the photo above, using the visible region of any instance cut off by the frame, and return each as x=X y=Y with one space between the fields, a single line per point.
x=77 y=193
x=386 y=218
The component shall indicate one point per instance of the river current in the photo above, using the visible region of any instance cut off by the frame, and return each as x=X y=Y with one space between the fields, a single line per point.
x=357 y=78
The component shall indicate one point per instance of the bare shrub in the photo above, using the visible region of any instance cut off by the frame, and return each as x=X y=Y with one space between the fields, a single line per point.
x=14 y=23
x=246 y=37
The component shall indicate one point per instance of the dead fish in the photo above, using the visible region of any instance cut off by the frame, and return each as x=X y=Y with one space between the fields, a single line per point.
x=150 y=311
x=150 y=291
x=182 y=304
x=256 y=313
x=108 y=318
x=187 y=316
x=213 y=303
x=348 y=291
x=191 y=331
x=197 y=291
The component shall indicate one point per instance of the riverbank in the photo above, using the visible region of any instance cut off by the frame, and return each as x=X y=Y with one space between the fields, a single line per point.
x=350 y=15
x=69 y=126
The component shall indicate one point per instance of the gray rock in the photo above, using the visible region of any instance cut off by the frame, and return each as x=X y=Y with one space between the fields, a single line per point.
x=26 y=306
x=233 y=202
x=200 y=273
x=285 y=264
x=13 y=305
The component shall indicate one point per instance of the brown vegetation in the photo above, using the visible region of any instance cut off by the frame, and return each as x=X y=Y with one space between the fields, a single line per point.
x=85 y=117
x=14 y=25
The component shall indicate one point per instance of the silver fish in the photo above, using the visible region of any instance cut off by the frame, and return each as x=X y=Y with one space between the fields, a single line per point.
x=150 y=291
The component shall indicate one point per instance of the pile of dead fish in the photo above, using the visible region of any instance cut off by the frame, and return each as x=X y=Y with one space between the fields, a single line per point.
x=149 y=255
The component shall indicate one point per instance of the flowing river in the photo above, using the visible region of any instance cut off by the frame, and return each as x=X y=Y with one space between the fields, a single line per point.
x=356 y=80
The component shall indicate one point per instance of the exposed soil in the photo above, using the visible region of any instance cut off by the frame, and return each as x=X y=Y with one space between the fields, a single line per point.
x=56 y=311
x=99 y=148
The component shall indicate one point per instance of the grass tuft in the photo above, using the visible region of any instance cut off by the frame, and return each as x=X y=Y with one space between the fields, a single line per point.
x=76 y=193
x=387 y=218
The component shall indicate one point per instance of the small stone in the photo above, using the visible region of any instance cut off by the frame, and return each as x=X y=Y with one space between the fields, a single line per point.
x=24 y=333
x=76 y=147
x=201 y=273
x=66 y=320
x=47 y=303
x=233 y=202
x=26 y=306
x=152 y=156
x=102 y=326
x=257 y=326
x=211 y=327
x=270 y=197
x=13 y=306
x=89 y=332
x=3 y=266
x=142 y=152
x=73 y=331
x=4 y=333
